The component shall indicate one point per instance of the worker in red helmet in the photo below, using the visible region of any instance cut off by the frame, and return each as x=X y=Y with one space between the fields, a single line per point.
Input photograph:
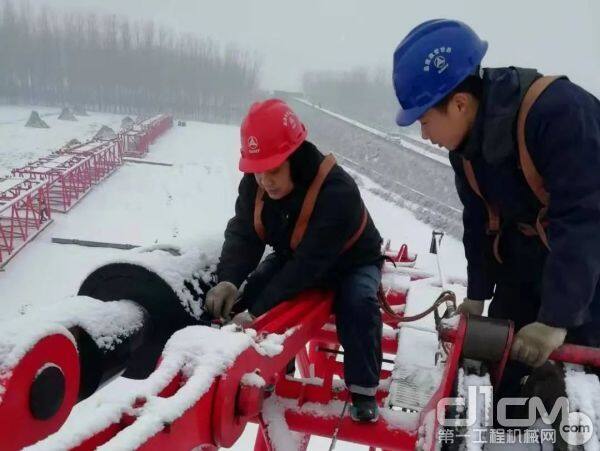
x=310 y=211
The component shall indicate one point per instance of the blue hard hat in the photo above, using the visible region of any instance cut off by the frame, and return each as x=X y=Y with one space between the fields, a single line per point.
x=432 y=60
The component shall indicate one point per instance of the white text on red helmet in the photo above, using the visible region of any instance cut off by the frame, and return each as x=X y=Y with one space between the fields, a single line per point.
x=253 y=145
x=290 y=120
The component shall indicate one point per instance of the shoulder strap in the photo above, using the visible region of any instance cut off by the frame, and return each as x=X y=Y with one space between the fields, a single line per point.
x=533 y=177
x=361 y=228
x=310 y=200
x=493 y=226
x=307 y=208
x=258 y=208
x=493 y=215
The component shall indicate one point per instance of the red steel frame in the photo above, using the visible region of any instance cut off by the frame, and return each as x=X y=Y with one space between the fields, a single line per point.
x=69 y=178
x=136 y=141
x=131 y=144
x=24 y=212
x=219 y=417
x=61 y=179
x=105 y=157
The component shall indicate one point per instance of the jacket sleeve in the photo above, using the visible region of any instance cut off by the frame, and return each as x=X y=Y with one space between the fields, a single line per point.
x=242 y=249
x=568 y=159
x=480 y=284
x=335 y=218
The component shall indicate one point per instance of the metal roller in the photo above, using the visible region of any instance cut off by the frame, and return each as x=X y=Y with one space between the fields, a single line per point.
x=164 y=314
x=486 y=339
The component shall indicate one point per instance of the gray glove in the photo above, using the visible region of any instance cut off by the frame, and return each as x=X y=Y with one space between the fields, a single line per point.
x=243 y=319
x=220 y=299
x=535 y=342
x=470 y=307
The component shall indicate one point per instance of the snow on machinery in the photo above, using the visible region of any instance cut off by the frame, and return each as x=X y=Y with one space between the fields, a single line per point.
x=210 y=382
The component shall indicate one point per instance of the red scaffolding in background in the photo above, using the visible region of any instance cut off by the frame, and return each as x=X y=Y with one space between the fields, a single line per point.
x=58 y=181
x=105 y=157
x=24 y=212
x=136 y=141
x=69 y=178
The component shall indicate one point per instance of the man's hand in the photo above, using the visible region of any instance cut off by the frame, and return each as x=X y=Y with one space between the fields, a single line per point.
x=220 y=299
x=535 y=342
x=243 y=319
x=470 y=307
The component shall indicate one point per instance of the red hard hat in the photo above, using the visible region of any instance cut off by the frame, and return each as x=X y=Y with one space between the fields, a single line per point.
x=270 y=133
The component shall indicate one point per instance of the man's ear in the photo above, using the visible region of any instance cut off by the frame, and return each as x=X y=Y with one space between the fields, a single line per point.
x=460 y=101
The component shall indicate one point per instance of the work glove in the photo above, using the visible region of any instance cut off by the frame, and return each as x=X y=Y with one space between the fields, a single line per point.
x=534 y=343
x=220 y=299
x=470 y=307
x=243 y=319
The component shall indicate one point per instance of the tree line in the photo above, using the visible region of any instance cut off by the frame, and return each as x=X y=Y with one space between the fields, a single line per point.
x=113 y=64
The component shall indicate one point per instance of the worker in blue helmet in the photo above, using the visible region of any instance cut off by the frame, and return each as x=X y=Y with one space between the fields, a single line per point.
x=526 y=154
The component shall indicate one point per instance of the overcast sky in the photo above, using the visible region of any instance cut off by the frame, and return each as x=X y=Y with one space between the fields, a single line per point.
x=557 y=37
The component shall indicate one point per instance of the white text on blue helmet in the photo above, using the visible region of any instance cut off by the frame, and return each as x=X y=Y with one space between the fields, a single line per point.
x=437 y=59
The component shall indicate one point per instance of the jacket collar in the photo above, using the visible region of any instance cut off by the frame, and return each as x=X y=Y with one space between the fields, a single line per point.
x=494 y=132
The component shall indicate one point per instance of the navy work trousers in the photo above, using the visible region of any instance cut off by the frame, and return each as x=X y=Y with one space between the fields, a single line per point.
x=357 y=315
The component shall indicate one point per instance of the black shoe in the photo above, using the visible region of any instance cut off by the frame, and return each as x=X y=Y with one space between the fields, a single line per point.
x=364 y=408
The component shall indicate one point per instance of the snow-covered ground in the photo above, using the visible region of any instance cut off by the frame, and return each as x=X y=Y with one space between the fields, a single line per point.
x=143 y=204
x=425 y=186
x=146 y=204
x=21 y=144
x=425 y=149
x=139 y=204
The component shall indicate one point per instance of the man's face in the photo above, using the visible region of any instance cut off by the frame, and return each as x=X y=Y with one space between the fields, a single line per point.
x=448 y=126
x=277 y=182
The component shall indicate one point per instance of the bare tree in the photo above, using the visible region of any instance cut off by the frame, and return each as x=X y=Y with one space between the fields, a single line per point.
x=113 y=64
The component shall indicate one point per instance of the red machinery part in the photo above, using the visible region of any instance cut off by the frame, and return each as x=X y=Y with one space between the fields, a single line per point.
x=580 y=355
x=402 y=257
x=218 y=414
x=304 y=319
x=490 y=339
x=39 y=392
x=218 y=418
